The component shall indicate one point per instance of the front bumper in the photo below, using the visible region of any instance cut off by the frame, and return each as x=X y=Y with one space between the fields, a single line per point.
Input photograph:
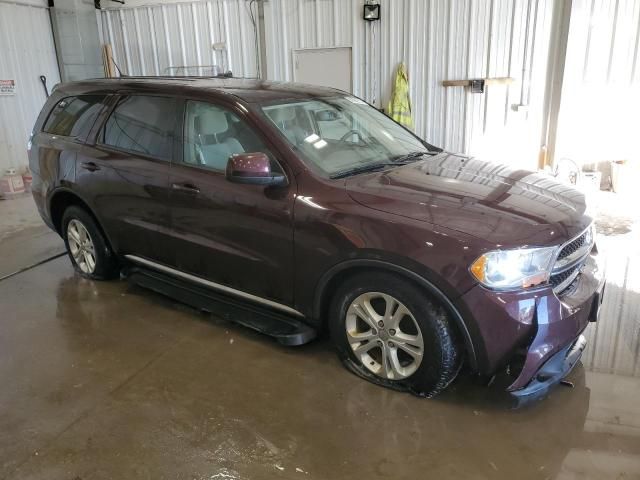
x=538 y=324
x=552 y=372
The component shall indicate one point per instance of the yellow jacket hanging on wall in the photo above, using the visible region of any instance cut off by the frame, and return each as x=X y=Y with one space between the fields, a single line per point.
x=400 y=103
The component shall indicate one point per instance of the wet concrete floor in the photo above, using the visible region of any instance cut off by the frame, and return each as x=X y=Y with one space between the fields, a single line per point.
x=104 y=380
x=24 y=239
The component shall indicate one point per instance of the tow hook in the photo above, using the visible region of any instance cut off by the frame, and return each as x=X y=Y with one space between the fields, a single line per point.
x=567 y=383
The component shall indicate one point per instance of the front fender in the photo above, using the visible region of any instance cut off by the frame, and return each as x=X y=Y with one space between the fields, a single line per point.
x=324 y=289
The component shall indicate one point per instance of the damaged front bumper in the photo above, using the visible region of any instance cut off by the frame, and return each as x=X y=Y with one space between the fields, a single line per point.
x=558 y=343
x=552 y=372
x=545 y=326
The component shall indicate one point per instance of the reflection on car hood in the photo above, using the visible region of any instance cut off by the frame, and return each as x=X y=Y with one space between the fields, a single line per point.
x=507 y=207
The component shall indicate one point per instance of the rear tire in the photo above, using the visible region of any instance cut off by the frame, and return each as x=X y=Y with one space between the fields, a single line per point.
x=393 y=334
x=88 y=250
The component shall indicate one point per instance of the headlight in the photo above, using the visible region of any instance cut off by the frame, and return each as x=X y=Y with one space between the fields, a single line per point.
x=509 y=269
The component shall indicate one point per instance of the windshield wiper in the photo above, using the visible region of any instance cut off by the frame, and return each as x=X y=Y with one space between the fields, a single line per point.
x=363 y=169
x=412 y=156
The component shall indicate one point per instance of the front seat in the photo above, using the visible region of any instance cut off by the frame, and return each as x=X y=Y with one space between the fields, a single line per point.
x=285 y=119
x=213 y=151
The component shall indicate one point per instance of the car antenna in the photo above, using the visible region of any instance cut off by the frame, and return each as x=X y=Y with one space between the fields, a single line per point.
x=118 y=68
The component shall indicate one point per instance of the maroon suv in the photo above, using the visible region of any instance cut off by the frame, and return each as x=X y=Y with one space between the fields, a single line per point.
x=292 y=209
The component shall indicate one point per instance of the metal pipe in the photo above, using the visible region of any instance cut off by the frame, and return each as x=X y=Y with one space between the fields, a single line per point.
x=525 y=54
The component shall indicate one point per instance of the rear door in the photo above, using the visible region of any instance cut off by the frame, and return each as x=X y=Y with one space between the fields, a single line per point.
x=236 y=235
x=125 y=172
x=54 y=149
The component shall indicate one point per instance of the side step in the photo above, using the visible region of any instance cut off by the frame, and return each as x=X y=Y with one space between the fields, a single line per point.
x=286 y=330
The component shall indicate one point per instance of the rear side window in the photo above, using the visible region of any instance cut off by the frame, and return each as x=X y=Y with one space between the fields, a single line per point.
x=143 y=124
x=74 y=116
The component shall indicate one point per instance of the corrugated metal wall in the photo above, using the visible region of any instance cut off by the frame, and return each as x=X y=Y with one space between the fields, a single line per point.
x=26 y=52
x=438 y=40
x=614 y=341
x=294 y=24
x=599 y=114
x=146 y=40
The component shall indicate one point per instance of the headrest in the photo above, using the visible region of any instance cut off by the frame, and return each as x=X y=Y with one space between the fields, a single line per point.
x=282 y=114
x=211 y=121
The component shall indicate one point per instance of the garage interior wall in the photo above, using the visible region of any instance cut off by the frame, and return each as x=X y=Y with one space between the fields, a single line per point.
x=147 y=40
x=77 y=40
x=25 y=33
x=438 y=40
x=599 y=113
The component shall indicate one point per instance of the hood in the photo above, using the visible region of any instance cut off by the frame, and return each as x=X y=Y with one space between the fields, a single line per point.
x=507 y=207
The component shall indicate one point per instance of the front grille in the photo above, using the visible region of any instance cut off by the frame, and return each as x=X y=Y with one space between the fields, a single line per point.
x=569 y=248
x=572 y=255
x=558 y=278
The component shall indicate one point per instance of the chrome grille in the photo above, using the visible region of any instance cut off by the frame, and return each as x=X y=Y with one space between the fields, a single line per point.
x=559 y=278
x=570 y=260
x=572 y=246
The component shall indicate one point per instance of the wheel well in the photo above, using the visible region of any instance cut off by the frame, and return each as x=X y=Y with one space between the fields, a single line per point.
x=332 y=285
x=63 y=200
x=60 y=202
x=340 y=277
x=329 y=290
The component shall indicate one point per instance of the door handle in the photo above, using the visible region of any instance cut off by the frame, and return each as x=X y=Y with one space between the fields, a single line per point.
x=185 y=187
x=92 y=167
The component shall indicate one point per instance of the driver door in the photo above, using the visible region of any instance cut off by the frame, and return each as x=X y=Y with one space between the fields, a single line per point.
x=236 y=235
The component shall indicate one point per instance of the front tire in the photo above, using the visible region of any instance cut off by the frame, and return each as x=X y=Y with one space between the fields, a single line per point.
x=394 y=334
x=88 y=250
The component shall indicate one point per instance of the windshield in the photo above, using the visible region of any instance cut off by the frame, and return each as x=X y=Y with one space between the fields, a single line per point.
x=342 y=133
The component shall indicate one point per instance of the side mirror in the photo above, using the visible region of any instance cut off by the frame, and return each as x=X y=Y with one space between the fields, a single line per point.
x=253 y=169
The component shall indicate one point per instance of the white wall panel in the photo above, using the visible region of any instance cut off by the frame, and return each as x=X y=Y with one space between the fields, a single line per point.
x=601 y=91
x=614 y=341
x=27 y=52
x=293 y=24
x=146 y=40
x=438 y=40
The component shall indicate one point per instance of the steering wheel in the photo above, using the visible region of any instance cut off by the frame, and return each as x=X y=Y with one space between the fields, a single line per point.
x=343 y=139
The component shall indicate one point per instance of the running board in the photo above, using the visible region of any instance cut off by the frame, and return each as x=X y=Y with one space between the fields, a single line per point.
x=285 y=329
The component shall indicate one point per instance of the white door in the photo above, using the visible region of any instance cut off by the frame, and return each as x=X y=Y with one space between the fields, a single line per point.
x=327 y=67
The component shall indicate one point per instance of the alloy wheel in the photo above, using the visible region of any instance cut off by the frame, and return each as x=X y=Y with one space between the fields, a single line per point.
x=384 y=335
x=81 y=246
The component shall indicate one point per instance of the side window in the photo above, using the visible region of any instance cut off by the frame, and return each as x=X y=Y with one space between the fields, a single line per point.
x=143 y=124
x=74 y=116
x=212 y=134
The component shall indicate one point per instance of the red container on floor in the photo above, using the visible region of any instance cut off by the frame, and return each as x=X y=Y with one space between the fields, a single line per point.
x=11 y=183
x=27 y=179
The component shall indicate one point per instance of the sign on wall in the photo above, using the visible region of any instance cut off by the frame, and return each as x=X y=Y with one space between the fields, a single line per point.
x=7 y=87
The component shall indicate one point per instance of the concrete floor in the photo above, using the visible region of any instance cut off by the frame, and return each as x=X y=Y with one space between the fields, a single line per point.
x=24 y=239
x=106 y=380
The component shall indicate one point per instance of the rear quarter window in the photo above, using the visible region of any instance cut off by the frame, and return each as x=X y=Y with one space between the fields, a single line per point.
x=143 y=124
x=74 y=116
